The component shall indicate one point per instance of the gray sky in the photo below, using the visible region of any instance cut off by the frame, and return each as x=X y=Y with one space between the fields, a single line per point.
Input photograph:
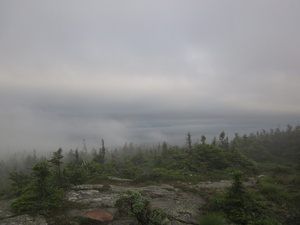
x=145 y=71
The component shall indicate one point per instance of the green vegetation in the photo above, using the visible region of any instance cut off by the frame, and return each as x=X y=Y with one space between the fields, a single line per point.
x=139 y=208
x=213 y=219
x=239 y=205
x=277 y=146
x=273 y=192
x=39 y=184
x=40 y=196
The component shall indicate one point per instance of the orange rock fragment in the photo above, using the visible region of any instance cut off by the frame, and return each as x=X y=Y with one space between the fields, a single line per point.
x=100 y=215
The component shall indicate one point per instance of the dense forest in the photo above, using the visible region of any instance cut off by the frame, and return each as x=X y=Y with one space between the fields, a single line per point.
x=39 y=183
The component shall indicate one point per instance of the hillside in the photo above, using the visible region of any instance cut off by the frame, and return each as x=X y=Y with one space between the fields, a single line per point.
x=173 y=184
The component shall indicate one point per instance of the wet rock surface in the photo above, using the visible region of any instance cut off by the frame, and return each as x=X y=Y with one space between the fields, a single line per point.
x=181 y=201
x=181 y=207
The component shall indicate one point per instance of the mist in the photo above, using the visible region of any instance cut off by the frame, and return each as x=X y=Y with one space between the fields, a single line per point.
x=145 y=72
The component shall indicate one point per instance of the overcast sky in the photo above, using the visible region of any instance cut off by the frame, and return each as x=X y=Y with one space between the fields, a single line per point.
x=145 y=71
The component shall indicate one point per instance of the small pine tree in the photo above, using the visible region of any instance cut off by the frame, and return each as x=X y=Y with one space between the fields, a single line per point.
x=139 y=208
x=203 y=140
x=189 y=141
x=57 y=162
x=41 y=196
x=99 y=156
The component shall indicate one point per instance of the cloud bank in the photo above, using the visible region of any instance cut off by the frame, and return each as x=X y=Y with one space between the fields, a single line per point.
x=145 y=71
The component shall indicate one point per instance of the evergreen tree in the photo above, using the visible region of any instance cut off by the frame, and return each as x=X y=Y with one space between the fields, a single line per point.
x=165 y=149
x=214 y=141
x=203 y=140
x=41 y=196
x=189 y=141
x=56 y=160
x=19 y=181
x=102 y=151
x=99 y=156
x=76 y=157
x=41 y=174
x=223 y=141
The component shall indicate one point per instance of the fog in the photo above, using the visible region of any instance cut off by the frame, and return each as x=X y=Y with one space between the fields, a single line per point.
x=145 y=72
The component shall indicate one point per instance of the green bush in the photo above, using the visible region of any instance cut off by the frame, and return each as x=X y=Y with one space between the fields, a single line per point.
x=273 y=192
x=75 y=174
x=31 y=203
x=41 y=196
x=139 y=208
x=19 y=182
x=238 y=204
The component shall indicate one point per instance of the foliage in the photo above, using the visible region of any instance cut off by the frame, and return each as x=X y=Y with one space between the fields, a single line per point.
x=40 y=196
x=239 y=205
x=75 y=174
x=165 y=175
x=213 y=219
x=273 y=146
x=31 y=203
x=274 y=152
x=95 y=173
x=99 y=156
x=57 y=162
x=175 y=164
x=19 y=181
x=273 y=192
x=139 y=208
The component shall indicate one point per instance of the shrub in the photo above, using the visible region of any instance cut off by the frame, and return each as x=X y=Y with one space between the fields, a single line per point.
x=238 y=205
x=139 y=208
x=40 y=196
x=31 y=203
x=75 y=174
x=273 y=192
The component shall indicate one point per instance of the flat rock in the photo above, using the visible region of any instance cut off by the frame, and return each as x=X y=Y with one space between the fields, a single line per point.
x=180 y=206
x=24 y=220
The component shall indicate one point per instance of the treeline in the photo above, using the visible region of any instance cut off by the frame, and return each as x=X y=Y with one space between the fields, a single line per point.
x=278 y=146
x=40 y=183
x=193 y=161
x=165 y=162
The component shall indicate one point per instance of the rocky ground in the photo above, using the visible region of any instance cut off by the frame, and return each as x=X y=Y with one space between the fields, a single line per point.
x=182 y=202
x=8 y=218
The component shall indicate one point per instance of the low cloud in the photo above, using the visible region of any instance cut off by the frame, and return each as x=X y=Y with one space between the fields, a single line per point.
x=145 y=72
